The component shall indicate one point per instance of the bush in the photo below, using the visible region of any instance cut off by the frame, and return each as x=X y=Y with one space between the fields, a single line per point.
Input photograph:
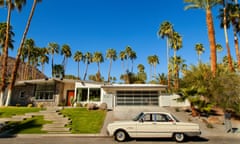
x=103 y=106
x=91 y=106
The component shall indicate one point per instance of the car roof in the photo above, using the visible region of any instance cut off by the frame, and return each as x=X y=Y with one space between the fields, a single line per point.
x=156 y=113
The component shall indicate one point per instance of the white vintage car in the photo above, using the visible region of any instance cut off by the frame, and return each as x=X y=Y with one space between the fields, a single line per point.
x=153 y=125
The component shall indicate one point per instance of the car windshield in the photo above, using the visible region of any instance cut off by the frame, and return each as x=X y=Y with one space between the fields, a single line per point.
x=138 y=117
x=175 y=118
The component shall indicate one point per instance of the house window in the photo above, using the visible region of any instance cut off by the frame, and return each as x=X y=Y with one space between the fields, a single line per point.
x=88 y=94
x=22 y=94
x=44 y=92
x=94 y=94
x=82 y=94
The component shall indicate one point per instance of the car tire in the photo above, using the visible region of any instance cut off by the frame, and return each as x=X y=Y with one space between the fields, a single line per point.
x=120 y=136
x=179 y=137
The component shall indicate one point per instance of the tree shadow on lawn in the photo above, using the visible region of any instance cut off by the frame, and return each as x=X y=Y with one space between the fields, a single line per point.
x=13 y=128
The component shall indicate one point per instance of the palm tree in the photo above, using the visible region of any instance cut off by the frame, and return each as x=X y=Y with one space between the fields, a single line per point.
x=28 y=46
x=3 y=27
x=141 y=76
x=122 y=56
x=150 y=62
x=176 y=42
x=162 y=79
x=199 y=49
x=219 y=48
x=233 y=18
x=87 y=60
x=52 y=49
x=78 y=56
x=98 y=58
x=207 y=5
x=66 y=52
x=225 y=24
x=43 y=57
x=10 y=5
x=132 y=57
x=17 y=62
x=177 y=62
x=112 y=56
x=128 y=51
x=166 y=30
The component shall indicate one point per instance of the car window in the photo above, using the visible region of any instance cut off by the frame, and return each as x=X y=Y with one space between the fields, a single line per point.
x=162 y=118
x=147 y=117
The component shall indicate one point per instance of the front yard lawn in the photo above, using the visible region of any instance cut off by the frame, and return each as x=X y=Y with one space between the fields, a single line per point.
x=6 y=112
x=85 y=121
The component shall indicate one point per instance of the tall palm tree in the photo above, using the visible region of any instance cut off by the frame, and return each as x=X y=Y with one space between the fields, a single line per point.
x=28 y=45
x=112 y=56
x=3 y=27
x=128 y=51
x=66 y=52
x=98 y=58
x=123 y=57
x=166 y=30
x=132 y=57
x=229 y=15
x=87 y=60
x=78 y=56
x=199 y=49
x=11 y=4
x=17 y=62
x=176 y=42
x=151 y=60
x=44 y=57
x=52 y=49
x=225 y=25
x=207 y=5
x=177 y=63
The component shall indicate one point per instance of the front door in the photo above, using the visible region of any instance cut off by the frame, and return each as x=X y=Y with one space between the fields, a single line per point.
x=70 y=96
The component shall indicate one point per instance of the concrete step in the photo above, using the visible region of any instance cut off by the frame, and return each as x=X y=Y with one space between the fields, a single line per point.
x=54 y=129
x=54 y=125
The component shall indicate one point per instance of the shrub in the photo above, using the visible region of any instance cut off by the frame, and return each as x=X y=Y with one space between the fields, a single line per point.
x=103 y=106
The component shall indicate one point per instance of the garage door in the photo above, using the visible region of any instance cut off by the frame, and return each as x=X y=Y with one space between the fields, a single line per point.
x=137 y=98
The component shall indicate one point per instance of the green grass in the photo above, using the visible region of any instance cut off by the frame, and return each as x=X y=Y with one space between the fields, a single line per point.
x=28 y=126
x=6 y=112
x=85 y=121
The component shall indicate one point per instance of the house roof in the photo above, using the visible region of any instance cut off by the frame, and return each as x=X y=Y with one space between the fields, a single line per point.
x=44 y=81
x=134 y=86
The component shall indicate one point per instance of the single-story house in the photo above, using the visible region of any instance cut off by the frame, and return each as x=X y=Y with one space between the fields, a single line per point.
x=56 y=92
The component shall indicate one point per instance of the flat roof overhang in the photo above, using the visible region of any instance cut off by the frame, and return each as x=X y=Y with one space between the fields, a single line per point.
x=140 y=87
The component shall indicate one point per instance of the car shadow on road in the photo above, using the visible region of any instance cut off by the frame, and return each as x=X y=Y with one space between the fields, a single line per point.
x=192 y=139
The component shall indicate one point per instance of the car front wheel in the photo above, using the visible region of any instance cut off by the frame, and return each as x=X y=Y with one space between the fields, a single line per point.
x=120 y=136
x=179 y=137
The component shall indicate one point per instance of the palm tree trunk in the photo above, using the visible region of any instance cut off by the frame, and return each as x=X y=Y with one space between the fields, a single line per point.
x=227 y=43
x=17 y=62
x=78 y=71
x=212 y=41
x=5 y=53
x=85 y=74
x=109 y=70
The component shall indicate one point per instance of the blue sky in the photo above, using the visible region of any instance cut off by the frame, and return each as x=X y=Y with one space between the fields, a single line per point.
x=97 y=25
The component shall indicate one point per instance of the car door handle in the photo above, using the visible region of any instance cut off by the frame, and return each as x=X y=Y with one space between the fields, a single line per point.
x=154 y=123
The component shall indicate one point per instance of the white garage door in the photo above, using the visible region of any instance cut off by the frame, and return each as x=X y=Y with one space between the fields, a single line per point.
x=137 y=98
